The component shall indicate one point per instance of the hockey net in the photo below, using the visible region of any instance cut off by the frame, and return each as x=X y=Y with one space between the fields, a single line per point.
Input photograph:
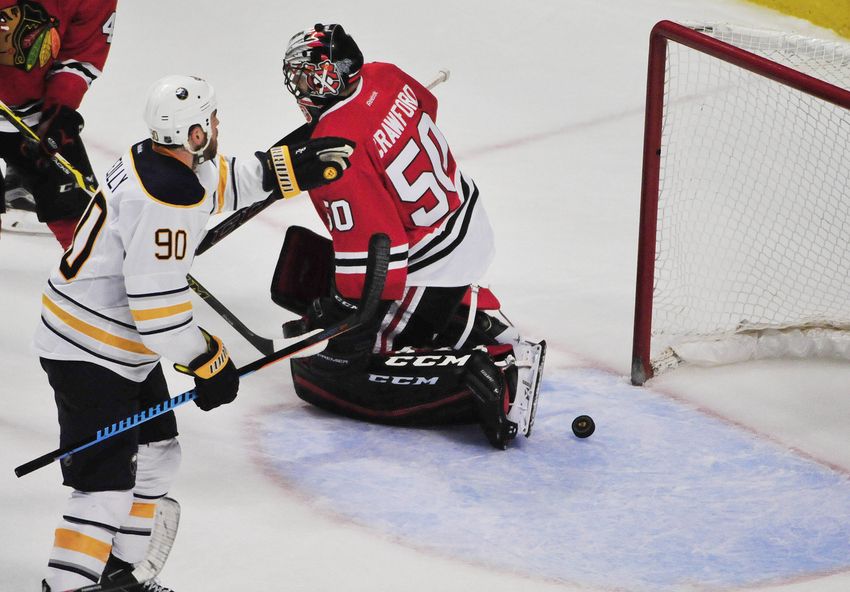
x=744 y=248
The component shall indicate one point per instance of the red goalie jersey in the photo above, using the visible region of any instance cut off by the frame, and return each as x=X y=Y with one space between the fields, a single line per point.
x=403 y=182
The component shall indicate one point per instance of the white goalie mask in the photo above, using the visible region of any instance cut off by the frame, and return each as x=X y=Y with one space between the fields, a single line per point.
x=175 y=104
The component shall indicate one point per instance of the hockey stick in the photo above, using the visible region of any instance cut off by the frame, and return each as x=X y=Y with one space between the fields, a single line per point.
x=377 y=265
x=264 y=345
x=238 y=218
x=215 y=234
x=59 y=161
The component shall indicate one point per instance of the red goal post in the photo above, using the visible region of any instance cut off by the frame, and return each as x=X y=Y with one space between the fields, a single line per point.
x=756 y=58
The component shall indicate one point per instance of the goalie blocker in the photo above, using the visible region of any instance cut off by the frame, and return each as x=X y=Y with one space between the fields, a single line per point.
x=473 y=368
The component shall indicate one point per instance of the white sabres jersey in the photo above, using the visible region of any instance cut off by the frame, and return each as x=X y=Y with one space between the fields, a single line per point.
x=119 y=297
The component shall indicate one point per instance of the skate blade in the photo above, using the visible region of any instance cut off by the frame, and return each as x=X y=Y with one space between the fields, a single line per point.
x=23 y=222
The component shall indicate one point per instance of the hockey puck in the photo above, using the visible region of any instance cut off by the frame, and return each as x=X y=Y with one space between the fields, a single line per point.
x=583 y=426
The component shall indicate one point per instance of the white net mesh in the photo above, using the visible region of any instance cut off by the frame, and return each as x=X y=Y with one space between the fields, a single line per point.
x=754 y=200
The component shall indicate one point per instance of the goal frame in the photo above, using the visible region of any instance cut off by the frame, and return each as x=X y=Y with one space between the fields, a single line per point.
x=661 y=35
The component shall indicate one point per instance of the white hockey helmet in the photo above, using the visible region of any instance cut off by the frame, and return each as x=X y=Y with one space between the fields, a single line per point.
x=176 y=103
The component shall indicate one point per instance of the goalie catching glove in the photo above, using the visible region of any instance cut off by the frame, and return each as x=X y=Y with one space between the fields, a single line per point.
x=216 y=377
x=289 y=170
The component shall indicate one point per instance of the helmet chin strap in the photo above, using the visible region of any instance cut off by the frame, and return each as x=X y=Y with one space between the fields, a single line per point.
x=198 y=153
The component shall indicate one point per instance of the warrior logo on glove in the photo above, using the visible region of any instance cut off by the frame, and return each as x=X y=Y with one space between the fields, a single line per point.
x=315 y=163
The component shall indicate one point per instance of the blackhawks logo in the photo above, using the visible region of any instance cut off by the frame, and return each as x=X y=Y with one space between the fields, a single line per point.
x=28 y=36
x=323 y=78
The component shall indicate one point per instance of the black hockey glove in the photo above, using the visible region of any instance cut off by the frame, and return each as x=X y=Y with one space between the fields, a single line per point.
x=349 y=351
x=59 y=131
x=321 y=314
x=289 y=170
x=216 y=377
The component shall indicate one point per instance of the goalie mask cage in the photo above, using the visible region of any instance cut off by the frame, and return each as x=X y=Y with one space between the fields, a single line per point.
x=744 y=247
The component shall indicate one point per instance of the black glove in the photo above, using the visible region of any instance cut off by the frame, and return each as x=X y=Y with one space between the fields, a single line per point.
x=321 y=314
x=59 y=131
x=289 y=170
x=349 y=351
x=216 y=377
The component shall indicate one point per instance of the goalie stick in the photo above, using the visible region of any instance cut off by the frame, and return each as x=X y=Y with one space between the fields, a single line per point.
x=162 y=540
x=376 y=274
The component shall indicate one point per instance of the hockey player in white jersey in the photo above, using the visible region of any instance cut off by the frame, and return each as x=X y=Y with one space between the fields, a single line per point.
x=119 y=300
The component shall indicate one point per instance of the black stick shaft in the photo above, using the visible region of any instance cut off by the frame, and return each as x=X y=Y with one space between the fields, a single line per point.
x=264 y=346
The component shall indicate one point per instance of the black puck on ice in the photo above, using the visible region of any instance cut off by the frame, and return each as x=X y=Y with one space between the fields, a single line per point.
x=583 y=426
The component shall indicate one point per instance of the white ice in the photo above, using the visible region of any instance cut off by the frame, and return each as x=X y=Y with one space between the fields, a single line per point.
x=545 y=110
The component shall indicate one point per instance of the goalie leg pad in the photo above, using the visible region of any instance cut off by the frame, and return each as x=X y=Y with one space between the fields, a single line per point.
x=405 y=387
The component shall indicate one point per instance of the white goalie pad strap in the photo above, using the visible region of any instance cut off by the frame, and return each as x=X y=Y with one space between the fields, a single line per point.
x=23 y=222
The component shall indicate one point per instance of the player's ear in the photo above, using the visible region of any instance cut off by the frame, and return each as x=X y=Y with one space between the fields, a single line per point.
x=197 y=137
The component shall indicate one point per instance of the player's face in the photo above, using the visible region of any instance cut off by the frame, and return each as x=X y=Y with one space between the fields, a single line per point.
x=300 y=82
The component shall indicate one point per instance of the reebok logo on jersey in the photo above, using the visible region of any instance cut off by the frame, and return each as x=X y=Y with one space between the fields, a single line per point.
x=396 y=119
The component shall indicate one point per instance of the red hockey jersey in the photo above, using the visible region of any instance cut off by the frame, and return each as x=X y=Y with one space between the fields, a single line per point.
x=51 y=51
x=404 y=182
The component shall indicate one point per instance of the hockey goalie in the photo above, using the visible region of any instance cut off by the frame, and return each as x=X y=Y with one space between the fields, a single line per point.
x=437 y=351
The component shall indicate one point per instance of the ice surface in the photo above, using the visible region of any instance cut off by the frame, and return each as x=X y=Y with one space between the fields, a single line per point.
x=725 y=479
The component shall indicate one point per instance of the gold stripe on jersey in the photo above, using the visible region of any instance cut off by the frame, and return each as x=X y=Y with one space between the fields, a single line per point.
x=143 y=510
x=149 y=314
x=222 y=183
x=85 y=328
x=81 y=543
